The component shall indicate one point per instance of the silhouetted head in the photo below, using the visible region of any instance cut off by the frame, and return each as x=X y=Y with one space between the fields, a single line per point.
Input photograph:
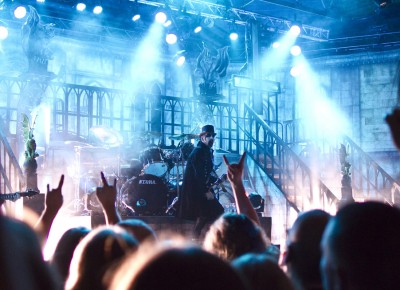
x=233 y=235
x=303 y=252
x=261 y=272
x=361 y=248
x=187 y=267
x=97 y=253
x=139 y=229
x=65 y=248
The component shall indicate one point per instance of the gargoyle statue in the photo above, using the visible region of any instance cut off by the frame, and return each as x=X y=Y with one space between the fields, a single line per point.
x=35 y=39
x=211 y=68
x=29 y=140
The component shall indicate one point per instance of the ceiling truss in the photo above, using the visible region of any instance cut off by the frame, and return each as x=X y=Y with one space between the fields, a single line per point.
x=238 y=16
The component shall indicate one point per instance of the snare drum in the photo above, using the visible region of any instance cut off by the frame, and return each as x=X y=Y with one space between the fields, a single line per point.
x=146 y=194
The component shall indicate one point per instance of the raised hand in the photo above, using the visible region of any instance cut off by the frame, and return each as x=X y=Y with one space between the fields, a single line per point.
x=235 y=177
x=54 y=198
x=235 y=171
x=107 y=195
x=393 y=120
x=53 y=202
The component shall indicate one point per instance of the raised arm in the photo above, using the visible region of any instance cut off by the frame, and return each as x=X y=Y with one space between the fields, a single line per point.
x=107 y=195
x=235 y=177
x=53 y=202
x=393 y=120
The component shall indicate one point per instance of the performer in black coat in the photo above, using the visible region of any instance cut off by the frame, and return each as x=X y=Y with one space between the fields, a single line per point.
x=196 y=200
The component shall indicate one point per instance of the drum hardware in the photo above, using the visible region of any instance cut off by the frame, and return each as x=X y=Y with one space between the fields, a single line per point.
x=183 y=137
x=171 y=210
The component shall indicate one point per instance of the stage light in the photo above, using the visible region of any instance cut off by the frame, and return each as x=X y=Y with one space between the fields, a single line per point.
x=40 y=1
x=382 y=3
x=197 y=29
x=233 y=36
x=20 y=12
x=161 y=17
x=181 y=60
x=97 y=9
x=295 y=50
x=80 y=6
x=171 y=38
x=167 y=23
x=257 y=202
x=295 y=71
x=276 y=44
x=295 y=30
x=3 y=32
x=136 y=17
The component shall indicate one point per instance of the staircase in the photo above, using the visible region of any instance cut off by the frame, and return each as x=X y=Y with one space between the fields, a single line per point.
x=308 y=172
x=301 y=188
x=12 y=178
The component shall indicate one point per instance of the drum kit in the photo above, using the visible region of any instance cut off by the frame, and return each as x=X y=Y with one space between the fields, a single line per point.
x=148 y=185
x=154 y=189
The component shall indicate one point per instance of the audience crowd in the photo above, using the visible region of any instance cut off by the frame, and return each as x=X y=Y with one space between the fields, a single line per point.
x=356 y=249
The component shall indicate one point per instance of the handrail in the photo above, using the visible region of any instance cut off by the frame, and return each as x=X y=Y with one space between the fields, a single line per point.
x=369 y=180
x=301 y=188
x=10 y=170
x=380 y=183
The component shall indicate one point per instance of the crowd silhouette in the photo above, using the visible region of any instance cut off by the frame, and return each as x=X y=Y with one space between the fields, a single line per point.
x=357 y=248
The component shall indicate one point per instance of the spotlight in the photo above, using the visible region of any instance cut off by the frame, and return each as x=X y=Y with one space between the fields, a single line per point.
x=180 y=57
x=171 y=38
x=40 y=1
x=382 y=3
x=295 y=71
x=295 y=50
x=181 y=60
x=233 y=36
x=161 y=17
x=295 y=30
x=3 y=32
x=197 y=29
x=257 y=202
x=276 y=44
x=167 y=23
x=97 y=9
x=20 y=12
x=136 y=17
x=80 y=6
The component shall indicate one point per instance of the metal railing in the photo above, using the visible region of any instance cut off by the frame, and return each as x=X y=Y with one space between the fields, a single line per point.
x=12 y=178
x=74 y=109
x=302 y=189
x=369 y=180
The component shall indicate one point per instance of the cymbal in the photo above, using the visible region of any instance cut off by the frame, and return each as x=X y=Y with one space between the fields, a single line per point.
x=183 y=136
x=221 y=151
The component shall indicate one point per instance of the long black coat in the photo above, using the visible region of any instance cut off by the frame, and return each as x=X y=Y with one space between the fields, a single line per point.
x=196 y=182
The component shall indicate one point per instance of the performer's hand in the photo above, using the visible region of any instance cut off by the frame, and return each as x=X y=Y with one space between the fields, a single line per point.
x=107 y=194
x=209 y=195
x=393 y=120
x=235 y=171
x=54 y=198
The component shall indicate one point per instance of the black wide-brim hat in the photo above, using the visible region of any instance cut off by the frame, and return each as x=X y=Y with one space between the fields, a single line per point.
x=207 y=129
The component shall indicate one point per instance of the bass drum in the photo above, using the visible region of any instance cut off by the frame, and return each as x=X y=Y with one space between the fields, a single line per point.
x=146 y=195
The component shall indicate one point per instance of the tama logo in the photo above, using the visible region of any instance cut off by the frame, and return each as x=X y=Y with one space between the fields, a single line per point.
x=147 y=181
